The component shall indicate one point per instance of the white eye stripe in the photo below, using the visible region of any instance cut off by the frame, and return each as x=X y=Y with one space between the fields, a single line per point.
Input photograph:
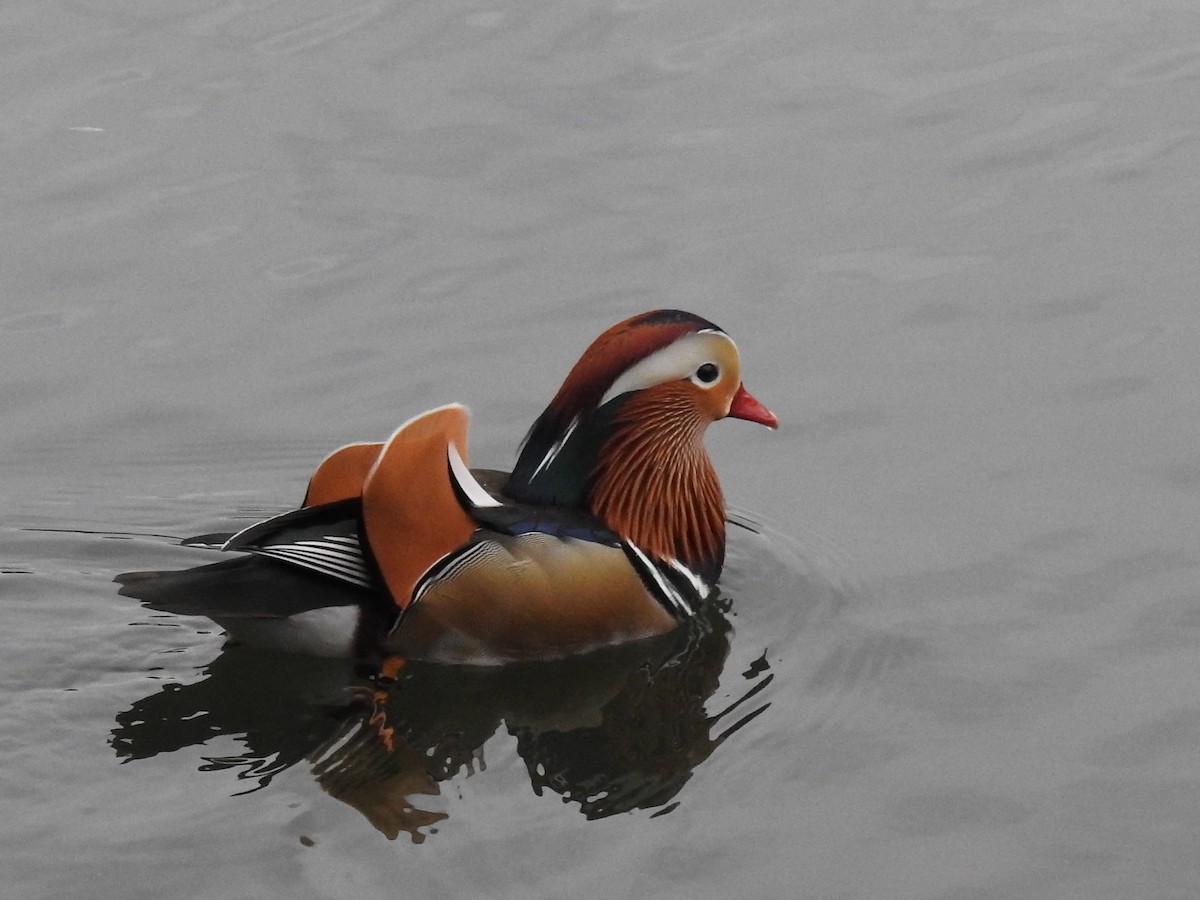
x=676 y=361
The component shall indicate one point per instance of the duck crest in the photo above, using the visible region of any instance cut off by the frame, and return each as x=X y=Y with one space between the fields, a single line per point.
x=560 y=453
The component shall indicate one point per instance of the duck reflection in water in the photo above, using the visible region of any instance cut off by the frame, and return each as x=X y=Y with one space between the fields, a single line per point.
x=613 y=731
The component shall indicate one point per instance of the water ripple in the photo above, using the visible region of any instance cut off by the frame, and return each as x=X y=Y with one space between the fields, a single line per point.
x=319 y=31
x=1175 y=64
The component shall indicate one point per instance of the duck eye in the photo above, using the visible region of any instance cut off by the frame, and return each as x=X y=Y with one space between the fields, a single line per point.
x=707 y=373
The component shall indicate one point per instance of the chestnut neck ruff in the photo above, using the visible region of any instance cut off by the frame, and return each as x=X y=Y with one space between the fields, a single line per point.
x=654 y=484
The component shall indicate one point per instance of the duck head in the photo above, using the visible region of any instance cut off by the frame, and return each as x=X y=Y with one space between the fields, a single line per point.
x=622 y=438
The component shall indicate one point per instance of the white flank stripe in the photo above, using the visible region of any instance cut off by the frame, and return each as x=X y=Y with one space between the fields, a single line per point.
x=699 y=585
x=313 y=561
x=676 y=599
x=344 y=560
x=466 y=481
x=464 y=560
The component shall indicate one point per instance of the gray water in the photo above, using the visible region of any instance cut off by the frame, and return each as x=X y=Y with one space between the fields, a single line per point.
x=957 y=244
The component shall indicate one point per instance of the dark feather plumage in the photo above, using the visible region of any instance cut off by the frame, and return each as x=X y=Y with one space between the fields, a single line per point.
x=248 y=586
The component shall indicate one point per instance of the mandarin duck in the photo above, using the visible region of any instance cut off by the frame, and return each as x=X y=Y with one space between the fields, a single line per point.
x=610 y=527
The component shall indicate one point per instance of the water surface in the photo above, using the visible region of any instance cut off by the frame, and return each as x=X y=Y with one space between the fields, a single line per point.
x=956 y=243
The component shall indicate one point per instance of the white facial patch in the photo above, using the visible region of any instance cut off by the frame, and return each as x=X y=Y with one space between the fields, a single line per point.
x=679 y=359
